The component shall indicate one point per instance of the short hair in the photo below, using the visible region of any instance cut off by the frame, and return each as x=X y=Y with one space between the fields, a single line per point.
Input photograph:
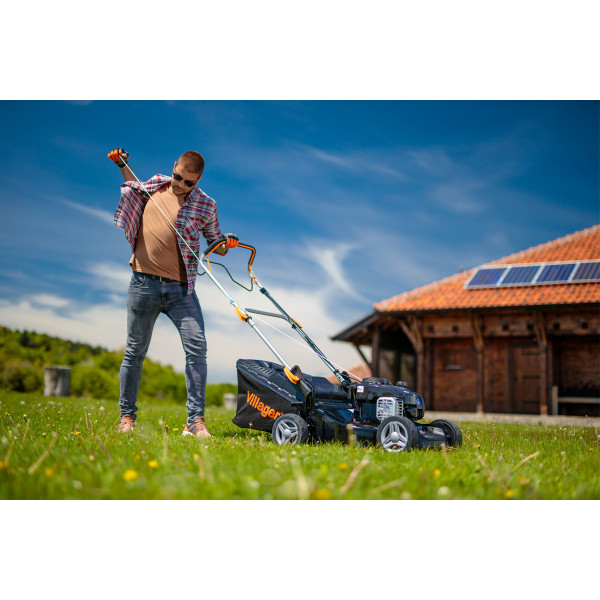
x=194 y=161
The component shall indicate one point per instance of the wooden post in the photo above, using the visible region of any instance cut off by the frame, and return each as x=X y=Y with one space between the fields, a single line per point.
x=375 y=353
x=476 y=324
x=417 y=339
x=362 y=355
x=57 y=381
x=540 y=332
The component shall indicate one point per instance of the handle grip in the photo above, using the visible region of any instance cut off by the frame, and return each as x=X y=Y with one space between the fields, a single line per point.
x=214 y=245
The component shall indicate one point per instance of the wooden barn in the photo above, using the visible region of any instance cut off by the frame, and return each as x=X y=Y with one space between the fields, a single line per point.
x=518 y=335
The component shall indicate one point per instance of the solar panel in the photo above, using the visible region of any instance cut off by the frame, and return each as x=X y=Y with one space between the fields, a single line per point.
x=556 y=273
x=520 y=275
x=486 y=277
x=579 y=271
x=587 y=272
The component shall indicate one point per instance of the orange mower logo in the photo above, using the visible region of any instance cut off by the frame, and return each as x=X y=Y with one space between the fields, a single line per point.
x=264 y=409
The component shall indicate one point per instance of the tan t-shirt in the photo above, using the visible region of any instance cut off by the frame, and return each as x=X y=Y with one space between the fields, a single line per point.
x=156 y=251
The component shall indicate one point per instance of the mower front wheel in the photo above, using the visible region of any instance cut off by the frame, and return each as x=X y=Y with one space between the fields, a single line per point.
x=290 y=429
x=396 y=434
x=451 y=431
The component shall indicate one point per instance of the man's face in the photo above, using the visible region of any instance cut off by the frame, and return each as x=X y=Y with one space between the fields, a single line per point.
x=184 y=181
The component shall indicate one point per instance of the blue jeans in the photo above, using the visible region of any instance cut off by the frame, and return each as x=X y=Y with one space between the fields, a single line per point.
x=147 y=298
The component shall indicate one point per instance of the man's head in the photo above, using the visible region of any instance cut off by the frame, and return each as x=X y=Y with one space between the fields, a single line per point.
x=187 y=172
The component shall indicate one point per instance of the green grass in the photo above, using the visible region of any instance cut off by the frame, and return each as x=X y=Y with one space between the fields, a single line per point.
x=68 y=448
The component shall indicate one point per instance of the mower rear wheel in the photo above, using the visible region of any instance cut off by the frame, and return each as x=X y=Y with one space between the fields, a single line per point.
x=451 y=431
x=396 y=434
x=290 y=429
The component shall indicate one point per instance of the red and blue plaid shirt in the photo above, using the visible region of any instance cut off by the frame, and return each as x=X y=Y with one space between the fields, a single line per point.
x=197 y=214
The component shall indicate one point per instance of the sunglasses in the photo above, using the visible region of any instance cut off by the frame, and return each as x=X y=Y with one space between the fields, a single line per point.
x=187 y=183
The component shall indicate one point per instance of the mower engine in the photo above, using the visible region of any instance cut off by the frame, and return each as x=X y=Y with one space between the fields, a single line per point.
x=377 y=399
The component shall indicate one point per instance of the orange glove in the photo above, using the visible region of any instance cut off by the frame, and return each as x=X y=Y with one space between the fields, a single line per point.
x=232 y=240
x=119 y=156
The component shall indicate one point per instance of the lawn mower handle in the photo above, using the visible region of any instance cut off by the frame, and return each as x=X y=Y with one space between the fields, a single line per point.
x=214 y=245
x=244 y=316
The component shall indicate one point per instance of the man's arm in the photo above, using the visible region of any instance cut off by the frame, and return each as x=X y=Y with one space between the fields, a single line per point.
x=127 y=173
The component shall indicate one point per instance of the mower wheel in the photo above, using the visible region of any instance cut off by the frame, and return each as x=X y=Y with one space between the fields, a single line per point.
x=451 y=430
x=396 y=434
x=290 y=429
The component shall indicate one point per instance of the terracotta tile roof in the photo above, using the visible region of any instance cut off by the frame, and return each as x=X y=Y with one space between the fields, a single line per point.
x=449 y=293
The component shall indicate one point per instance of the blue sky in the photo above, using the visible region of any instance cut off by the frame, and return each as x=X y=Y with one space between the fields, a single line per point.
x=347 y=203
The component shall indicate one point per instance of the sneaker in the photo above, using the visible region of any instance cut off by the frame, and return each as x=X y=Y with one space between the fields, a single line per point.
x=126 y=424
x=197 y=428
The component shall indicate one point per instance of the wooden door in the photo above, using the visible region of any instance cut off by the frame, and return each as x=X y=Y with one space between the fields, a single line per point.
x=525 y=378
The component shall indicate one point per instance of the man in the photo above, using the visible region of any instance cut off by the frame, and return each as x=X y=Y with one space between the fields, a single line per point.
x=163 y=219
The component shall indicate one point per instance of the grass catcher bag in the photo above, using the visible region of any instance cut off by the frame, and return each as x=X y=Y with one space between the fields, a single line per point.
x=264 y=393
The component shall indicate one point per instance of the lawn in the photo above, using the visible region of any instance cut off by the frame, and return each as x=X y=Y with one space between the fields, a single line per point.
x=68 y=448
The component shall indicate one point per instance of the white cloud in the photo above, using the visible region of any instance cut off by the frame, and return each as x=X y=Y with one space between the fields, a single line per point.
x=360 y=161
x=112 y=276
x=97 y=325
x=102 y=215
x=50 y=300
x=336 y=159
x=329 y=255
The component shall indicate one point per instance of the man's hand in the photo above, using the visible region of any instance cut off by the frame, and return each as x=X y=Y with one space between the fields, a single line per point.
x=232 y=242
x=119 y=157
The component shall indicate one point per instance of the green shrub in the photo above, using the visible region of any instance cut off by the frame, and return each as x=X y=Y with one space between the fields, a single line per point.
x=215 y=392
x=93 y=382
x=109 y=361
x=22 y=378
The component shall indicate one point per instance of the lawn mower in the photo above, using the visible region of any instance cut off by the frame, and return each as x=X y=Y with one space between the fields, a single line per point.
x=297 y=408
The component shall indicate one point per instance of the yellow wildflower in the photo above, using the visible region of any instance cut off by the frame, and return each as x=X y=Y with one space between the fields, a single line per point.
x=153 y=464
x=436 y=472
x=48 y=472
x=130 y=475
x=3 y=465
x=323 y=494
x=509 y=494
x=343 y=466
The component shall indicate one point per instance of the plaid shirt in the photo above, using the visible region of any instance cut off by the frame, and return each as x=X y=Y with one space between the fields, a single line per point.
x=197 y=214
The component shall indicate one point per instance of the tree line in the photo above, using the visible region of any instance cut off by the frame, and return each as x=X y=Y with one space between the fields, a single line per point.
x=94 y=370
